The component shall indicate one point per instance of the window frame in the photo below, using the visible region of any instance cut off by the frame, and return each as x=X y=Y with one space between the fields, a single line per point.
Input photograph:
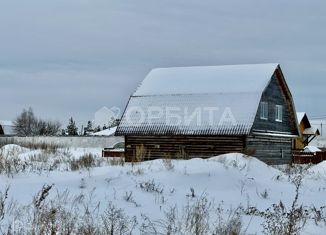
x=264 y=110
x=279 y=113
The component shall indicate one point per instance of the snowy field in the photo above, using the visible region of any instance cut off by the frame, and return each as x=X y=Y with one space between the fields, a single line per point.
x=75 y=191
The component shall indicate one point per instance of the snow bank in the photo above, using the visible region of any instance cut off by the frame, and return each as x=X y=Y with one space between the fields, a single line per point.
x=231 y=179
x=249 y=165
x=16 y=160
x=12 y=149
x=319 y=169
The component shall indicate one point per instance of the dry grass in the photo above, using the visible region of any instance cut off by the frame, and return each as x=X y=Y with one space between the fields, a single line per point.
x=48 y=147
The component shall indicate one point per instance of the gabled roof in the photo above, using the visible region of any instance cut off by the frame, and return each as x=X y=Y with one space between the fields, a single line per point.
x=6 y=123
x=234 y=90
x=207 y=79
x=303 y=118
x=7 y=127
x=309 y=130
x=300 y=116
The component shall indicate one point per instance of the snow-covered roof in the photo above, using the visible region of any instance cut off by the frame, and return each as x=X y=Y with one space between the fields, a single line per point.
x=106 y=132
x=6 y=123
x=311 y=131
x=7 y=127
x=207 y=79
x=166 y=99
x=184 y=106
x=300 y=116
x=311 y=149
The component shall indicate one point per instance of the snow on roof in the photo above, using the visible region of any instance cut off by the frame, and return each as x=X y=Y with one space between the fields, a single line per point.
x=300 y=116
x=232 y=90
x=106 y=132
x=311 y=149
x=176 y=114
x=207 y=79
x=6 y=123
x=311 y=131
x=7 y=127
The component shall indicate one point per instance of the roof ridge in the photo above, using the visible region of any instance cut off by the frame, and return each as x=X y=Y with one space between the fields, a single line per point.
x=193 y=94
x=207 y=79
x=222 y=65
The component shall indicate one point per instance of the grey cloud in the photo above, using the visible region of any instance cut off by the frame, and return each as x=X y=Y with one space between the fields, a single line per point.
x=71 y=57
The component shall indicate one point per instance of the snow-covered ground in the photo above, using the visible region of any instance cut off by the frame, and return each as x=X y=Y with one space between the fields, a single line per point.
x=148 y=192
x=320 y=142
x=106 y=132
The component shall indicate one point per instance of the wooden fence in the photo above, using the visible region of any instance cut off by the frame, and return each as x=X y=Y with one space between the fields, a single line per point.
x=300 y=157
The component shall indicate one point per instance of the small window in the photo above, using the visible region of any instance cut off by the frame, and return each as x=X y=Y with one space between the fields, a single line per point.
x=264 y=110
x=279 y=113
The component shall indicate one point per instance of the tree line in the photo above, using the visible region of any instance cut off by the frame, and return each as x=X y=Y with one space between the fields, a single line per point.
x=28 y=124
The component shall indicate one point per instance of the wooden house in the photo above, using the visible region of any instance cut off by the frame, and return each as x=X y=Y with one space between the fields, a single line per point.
x=206 y=111
x=307 y=132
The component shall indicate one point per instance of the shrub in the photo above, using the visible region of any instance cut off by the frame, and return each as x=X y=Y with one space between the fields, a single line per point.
x=115 y=221
x=87 y=161
x=151 y=187
x=3 y=199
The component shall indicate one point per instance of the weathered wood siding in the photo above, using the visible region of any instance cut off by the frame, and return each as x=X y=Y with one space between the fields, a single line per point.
x=139 y=148
x=274 y=96
x=272 y=150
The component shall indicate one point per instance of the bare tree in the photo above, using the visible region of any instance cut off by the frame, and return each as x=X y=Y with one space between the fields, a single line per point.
x=27 y=124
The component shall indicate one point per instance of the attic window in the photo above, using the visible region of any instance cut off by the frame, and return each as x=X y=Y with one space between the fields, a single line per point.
x=264 y=110
x=279 y=113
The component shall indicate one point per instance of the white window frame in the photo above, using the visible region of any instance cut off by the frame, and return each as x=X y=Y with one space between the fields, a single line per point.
x=264 y=110
x=279 y=113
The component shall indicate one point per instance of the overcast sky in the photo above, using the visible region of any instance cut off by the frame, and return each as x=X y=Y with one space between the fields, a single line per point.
x=71 y=57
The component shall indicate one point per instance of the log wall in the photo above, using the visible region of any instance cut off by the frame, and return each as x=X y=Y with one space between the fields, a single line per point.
x=139 y=148
x=272 y=150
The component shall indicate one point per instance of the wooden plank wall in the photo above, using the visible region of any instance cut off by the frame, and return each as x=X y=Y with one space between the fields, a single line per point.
x=272 y=150
x=274 y=96
x=138 y=148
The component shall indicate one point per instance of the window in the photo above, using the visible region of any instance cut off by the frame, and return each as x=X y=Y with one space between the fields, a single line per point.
x=264 y=110
x=279 y=113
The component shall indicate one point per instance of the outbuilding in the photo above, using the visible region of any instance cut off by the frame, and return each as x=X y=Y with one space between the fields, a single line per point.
x=6 y=128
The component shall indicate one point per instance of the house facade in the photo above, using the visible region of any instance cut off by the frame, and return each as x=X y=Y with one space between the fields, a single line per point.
x=206 y=111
